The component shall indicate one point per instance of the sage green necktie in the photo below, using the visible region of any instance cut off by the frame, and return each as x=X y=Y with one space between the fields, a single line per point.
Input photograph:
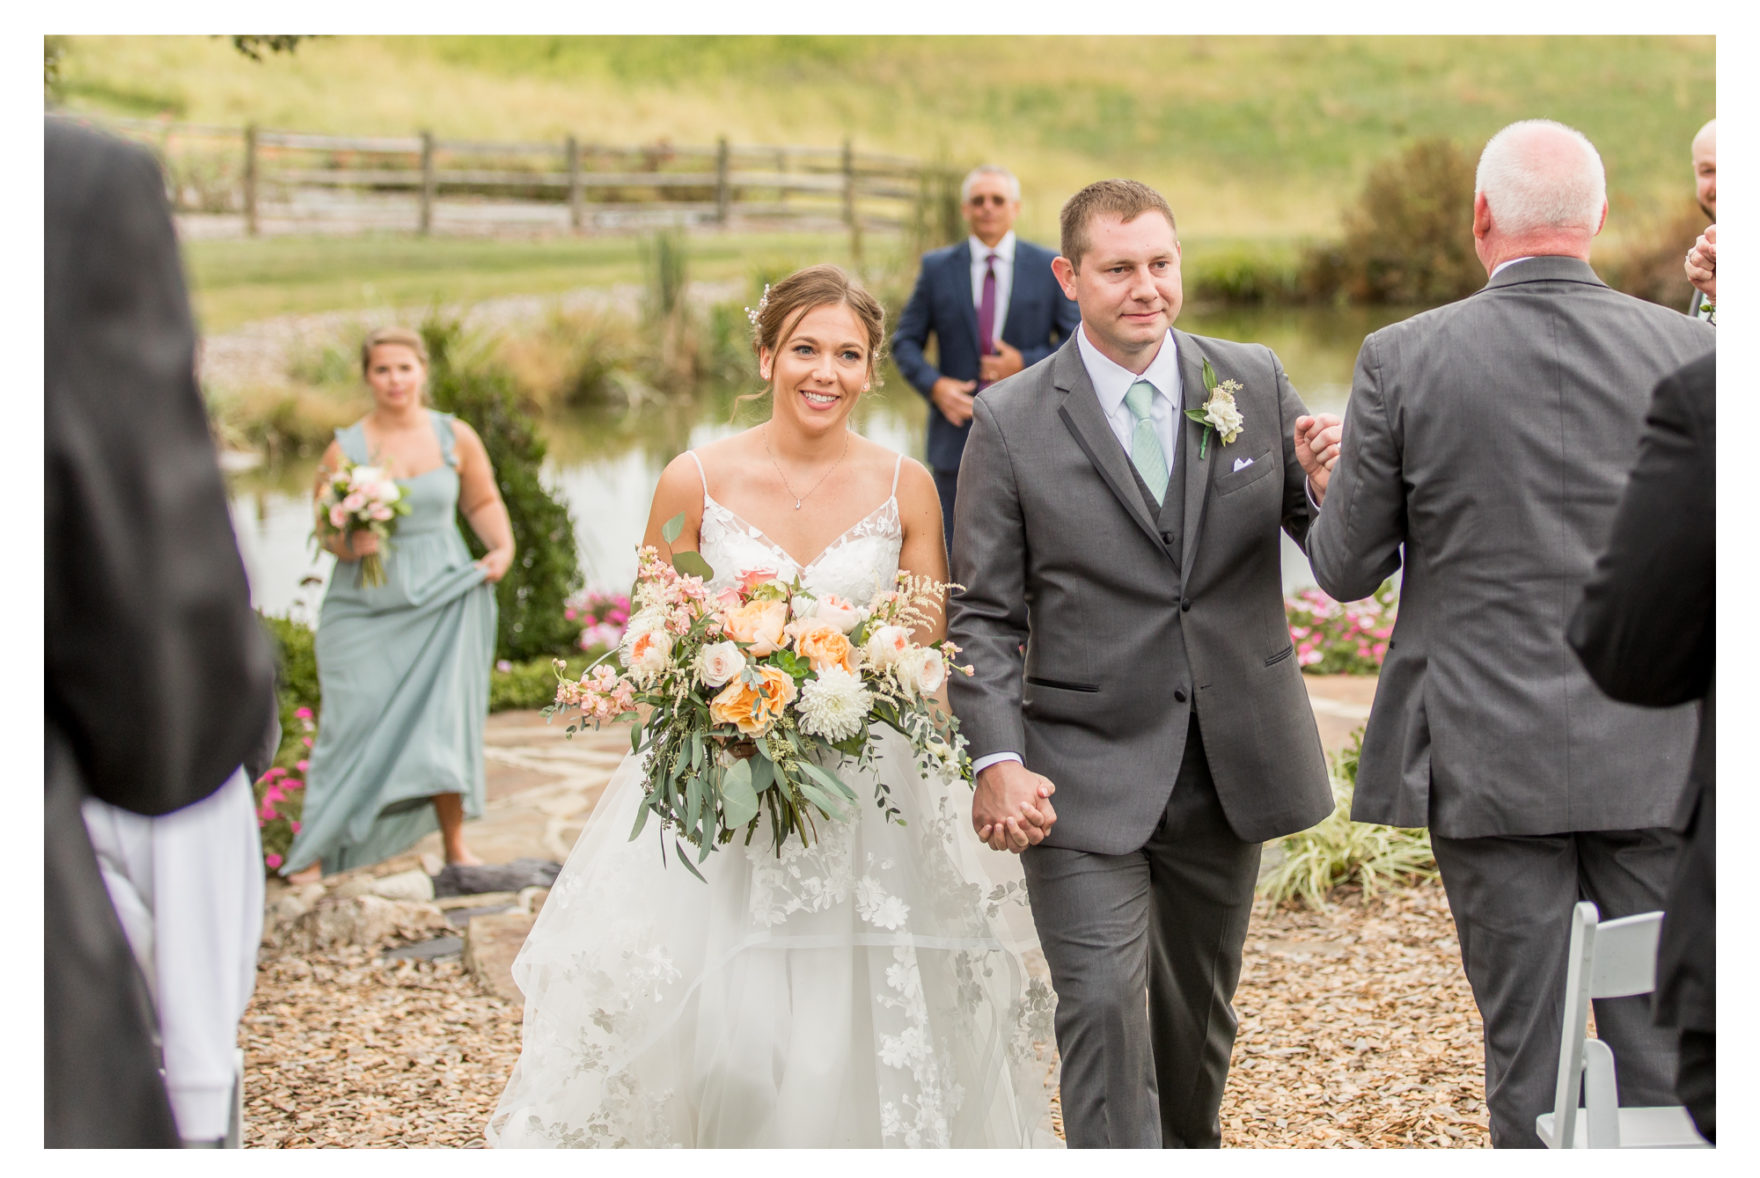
x=1146 y=452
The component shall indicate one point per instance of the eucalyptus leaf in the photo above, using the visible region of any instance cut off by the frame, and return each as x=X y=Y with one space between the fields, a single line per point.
x=763 y=774
x=673 y=528
x=739 y=801
x=686 y=860
x=692 y=564
x=830 y=780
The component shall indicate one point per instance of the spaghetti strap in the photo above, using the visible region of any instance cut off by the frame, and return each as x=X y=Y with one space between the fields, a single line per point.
x=896 y=467
x=700 y=474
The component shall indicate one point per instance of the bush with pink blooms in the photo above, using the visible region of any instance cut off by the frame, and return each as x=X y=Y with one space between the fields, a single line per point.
x=281 y=797
x=1335 y=638
x=601 y=616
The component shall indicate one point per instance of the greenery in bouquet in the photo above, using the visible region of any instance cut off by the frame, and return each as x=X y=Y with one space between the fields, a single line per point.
x=361 y=498
x=758 y=695
x=1335 y=638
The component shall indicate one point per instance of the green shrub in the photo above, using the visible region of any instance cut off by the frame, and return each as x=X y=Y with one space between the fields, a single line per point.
x=1338 y=851
x=531 y=684
x=532 y=596
x=1408 y=239
x=1647 y=263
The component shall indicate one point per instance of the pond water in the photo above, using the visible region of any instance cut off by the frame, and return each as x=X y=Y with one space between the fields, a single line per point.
x=605 y=462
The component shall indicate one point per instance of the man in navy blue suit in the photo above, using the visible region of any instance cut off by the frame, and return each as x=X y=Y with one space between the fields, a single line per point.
x=994 y=308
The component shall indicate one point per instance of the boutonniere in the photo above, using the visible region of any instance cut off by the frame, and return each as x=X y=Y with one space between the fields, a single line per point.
x=1219 y=412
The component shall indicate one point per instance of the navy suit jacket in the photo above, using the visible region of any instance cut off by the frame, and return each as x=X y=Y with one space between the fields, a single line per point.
x=1037 y=320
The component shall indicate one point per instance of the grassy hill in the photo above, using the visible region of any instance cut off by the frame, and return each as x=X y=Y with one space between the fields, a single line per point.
x=1249 y=137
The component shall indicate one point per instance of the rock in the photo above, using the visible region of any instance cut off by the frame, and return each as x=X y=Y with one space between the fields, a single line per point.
x=490 y=945
x=532 y=899
x=280 y=914
x=416 y=886
x=476 y=900
x=458 y=880
x=368 y=921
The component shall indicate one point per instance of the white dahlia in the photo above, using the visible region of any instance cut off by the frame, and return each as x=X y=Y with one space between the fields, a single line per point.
x=833 y=704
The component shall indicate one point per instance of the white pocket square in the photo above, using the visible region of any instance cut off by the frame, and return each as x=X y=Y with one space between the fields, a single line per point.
x=1242 y=463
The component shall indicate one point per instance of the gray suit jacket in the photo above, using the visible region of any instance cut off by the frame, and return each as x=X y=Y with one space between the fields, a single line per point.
x=1122 y=615
x=1485 y=448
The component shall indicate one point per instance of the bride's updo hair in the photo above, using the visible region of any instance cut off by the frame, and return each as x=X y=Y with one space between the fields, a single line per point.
x=787 y=303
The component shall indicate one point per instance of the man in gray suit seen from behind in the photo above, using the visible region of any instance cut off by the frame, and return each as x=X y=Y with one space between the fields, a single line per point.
x=1485 y=447
x=1123 y=612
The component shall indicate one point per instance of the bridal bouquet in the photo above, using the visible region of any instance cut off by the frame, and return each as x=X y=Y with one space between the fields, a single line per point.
x=360 y=498
x=760 y=691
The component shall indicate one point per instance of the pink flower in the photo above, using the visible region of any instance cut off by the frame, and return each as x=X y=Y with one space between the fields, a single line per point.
x=301 y=765
x=265 y=813
x=750 y=579
x=1380 y=651
x=273 y=794
x=273 y=860
x=294 y=825
x=338 y=517
x=302 y=713
x=306 y=740
x=569 y=614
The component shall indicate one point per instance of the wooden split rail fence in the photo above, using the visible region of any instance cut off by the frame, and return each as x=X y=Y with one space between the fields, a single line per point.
x=282 y=181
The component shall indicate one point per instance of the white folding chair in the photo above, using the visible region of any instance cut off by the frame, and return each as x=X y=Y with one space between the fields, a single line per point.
x=1612 y=960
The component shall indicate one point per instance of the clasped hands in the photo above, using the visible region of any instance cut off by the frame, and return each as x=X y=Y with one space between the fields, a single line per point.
x=1701 y=265
x=954 y=397
x=1318 y=438
x=1011 y=807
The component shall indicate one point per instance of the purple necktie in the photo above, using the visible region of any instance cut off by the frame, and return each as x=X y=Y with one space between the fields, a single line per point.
x=987 y=312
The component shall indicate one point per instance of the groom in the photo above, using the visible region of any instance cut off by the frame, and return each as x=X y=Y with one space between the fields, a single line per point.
x=1125 y=620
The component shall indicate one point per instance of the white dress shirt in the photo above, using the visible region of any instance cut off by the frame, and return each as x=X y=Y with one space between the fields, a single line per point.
x=1111 y=382
x=1004 y=251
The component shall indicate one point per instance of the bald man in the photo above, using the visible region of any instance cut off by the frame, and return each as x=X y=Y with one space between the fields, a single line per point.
x=1484 y=449
x=1701 y=265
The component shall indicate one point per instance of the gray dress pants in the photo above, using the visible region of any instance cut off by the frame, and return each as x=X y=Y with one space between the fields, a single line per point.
x=1166 y=921
x=1512 y=897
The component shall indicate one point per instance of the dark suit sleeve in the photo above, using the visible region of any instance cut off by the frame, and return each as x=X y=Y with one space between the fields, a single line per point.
x=1645 y=628
x=1354 y=543
x=156 y=670
x=1065 y=315
x=912 y=335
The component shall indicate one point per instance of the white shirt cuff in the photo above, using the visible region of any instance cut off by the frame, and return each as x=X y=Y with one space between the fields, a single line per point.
x=983 y=763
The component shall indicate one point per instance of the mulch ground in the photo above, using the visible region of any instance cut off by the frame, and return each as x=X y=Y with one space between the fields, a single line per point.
x=1357 y=1031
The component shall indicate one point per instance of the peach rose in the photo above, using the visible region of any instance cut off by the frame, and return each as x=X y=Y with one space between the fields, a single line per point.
x=754 y=710
x=886 y=645
x=825 y=646
x=759 y=624
x=648 y=654
x=833 y=610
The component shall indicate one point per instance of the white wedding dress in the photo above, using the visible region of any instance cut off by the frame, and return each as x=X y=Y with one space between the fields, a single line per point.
x=867 y=991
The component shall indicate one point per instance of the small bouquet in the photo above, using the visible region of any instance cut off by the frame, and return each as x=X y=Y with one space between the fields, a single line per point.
x=759 y=692
x=361 y=498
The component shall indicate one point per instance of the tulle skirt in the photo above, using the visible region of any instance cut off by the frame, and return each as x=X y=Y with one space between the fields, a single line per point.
x=867 y=991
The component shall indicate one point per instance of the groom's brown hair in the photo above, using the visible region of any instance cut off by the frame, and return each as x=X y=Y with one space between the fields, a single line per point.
x=1127 y=199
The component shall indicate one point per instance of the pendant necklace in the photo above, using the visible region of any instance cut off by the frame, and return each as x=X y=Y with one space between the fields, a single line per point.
x=784 y=478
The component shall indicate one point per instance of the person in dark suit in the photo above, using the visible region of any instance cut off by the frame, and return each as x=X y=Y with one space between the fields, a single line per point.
x=994 y=308
x=1485 y=445
x=1647 y=634
x=157 y=679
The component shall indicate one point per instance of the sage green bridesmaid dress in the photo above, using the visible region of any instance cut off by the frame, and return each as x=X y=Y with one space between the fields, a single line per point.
x=403 y=669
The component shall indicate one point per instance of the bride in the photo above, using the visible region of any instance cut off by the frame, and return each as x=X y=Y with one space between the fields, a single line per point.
x=866 y=991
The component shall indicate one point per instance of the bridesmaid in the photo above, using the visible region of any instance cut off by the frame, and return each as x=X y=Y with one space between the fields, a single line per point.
x=404 y=667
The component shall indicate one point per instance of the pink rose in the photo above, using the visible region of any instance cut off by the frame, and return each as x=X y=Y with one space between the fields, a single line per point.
x=273 y=860
x=750 y=579
x=338 y=516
